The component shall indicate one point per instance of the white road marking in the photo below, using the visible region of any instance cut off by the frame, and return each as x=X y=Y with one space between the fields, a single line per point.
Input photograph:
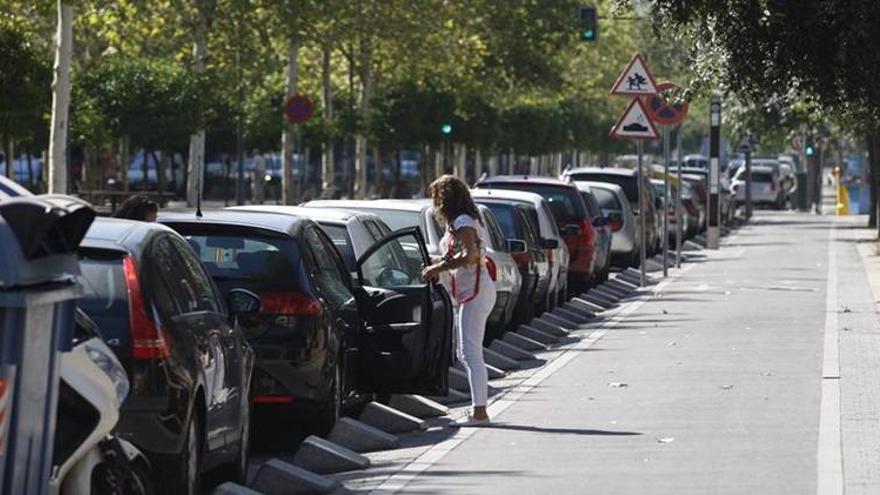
x=828 y=456
x=398 y=482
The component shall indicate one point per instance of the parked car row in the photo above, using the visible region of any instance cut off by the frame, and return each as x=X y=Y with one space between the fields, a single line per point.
x=301 y=314
x=216 y=317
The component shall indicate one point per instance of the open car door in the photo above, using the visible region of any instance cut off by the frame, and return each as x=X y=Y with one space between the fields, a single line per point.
x=406 y=342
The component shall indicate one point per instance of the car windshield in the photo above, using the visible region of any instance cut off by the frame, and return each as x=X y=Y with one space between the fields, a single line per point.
x=565 y=202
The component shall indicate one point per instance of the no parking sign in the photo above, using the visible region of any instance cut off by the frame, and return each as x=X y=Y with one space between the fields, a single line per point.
x=664 y=111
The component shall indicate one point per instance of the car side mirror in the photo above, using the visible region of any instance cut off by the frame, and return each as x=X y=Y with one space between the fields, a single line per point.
x=516 y=246
x=242 y=302
x=571 y=230
x=549 y=243
x=600 y=222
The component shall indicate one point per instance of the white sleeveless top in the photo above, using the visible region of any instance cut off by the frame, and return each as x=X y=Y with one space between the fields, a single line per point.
x=466 y=276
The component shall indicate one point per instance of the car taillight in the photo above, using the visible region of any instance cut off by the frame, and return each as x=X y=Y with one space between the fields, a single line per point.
x=616 y=223
x=289 y=303
x=772 y=187
x=147 y=341
x=587 y=233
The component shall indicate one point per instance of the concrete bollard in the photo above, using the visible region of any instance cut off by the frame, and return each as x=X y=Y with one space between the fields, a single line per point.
x=556 y=325
x=583 y=310
x=605 y=293
x=390 y=420
x=230 y=488
x=572 y=315
x=598 y=300
x=511 y=351
x=458 y=380
x=324 y=457
x=418 y=406
x=361 y=437
x=499 y=360
x=524 y=343
x=452 y=397
x=536 y=335
x=276 y=477
x=623 y=284
x=585 y=305
x=691 y=246
x=493 y=372
x=546 y=324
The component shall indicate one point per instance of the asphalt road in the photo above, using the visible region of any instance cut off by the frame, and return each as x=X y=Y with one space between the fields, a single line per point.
x=713 y=385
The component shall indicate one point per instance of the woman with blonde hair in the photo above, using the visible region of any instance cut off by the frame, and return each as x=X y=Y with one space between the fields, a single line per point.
x=470 y=283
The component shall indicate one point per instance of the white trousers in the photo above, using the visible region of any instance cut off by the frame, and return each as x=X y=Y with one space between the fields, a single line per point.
x=472 y=317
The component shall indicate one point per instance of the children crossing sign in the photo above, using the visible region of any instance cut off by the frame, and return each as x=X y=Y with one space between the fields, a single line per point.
x=634 y=124
x=635 y=80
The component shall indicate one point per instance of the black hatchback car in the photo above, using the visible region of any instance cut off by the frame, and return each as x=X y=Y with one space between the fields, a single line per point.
x=323 y=338
x=188 y=363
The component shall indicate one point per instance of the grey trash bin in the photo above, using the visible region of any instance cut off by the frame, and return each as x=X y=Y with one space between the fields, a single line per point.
x=38 y=267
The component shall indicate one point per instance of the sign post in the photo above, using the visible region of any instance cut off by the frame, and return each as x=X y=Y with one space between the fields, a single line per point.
x=635 y=124
x=667 y=113
x=745 y=147
x=679 y=214
x=713 y=232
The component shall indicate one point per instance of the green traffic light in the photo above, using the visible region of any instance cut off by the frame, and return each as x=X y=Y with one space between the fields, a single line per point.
x=809 y=151
x=446 y=129
x=588 y=35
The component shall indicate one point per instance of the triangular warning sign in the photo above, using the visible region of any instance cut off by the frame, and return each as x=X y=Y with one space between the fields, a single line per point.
x=634 y=123
x=635 y=80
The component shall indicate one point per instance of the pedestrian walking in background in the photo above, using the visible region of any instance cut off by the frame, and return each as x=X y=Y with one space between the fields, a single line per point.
x=258 y=181
x=470 y=283
x=138 y=208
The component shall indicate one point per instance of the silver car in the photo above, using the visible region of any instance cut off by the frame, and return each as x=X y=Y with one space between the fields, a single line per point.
x=624 y=228
x=400 y=214
x=766 y=187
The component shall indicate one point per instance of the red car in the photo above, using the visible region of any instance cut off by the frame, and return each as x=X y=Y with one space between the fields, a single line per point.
x=570 y=214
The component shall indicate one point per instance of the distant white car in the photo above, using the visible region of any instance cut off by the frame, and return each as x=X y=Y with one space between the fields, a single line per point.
x=621 y=219
x=766 y=188
x=547 y=230
x=398 y=214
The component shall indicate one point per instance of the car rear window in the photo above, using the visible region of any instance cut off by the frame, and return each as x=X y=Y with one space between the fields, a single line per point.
x=504 y=213
x=629 y=183
x=565 y=202
x=761 y=177
x=105 y=295
x=342 y=240
x=607 y=199
x=248 y=258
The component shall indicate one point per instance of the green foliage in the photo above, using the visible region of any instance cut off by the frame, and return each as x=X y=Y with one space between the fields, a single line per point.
x=25 y=79
x=157 y=104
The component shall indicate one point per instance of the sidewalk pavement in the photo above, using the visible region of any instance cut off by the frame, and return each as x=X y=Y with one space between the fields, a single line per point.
x=859 y=304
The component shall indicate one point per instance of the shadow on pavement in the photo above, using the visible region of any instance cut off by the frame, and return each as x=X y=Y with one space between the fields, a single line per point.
x=558 y=431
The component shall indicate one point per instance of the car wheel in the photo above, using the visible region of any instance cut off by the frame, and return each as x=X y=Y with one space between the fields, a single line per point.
x=186 y=479
x=331 y=409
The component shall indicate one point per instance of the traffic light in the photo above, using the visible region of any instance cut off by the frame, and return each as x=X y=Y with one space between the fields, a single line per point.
x=589 y=26
x=810 y=151
x=446 y=128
